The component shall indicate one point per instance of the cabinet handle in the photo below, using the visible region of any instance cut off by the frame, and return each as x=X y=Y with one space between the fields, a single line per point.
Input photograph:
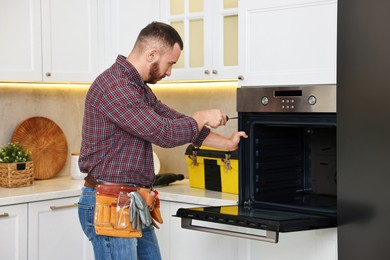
x=240 y=77
x=207 y=72
x=48 y=74
x=4 y=215
x=215 y=72
x=63 y=206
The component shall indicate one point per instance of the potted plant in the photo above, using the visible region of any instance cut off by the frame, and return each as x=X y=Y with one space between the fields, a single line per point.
x=16 y=166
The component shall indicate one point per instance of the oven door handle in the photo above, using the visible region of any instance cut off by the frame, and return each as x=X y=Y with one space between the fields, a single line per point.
x=271 y=236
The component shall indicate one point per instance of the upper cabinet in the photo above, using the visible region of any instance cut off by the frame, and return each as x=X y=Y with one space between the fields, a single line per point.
x=121 y=22
x=20 y=44
x=48 y=40
x=287 y=42
x=70 y=45
x=267 y=42
x=67 y=41
x=209 y=30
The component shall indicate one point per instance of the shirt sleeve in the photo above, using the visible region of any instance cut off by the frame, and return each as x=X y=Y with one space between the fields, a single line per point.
x=164 y=110
x=201 y=136
x=149 y=119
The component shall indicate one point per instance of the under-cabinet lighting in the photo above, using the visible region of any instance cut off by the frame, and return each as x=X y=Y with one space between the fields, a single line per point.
x=182 y=85
x=46 y=86
x=84 y=86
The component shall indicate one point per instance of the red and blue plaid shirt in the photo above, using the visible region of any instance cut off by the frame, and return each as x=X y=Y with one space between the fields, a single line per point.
x=122 y=119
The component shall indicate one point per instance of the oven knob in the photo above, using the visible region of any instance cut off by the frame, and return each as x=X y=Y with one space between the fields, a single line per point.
x=312 y=100
x=264 y=100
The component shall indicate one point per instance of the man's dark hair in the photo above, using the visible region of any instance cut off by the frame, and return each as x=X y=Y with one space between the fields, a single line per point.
x=161 y=31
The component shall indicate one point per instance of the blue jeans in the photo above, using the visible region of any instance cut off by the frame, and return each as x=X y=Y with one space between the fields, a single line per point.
x=115 y=248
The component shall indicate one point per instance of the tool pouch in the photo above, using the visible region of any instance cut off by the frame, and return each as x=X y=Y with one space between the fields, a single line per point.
x=153 y=202
x=111 y=216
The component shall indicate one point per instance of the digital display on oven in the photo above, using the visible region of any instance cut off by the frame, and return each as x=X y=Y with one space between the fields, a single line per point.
x=288 y=93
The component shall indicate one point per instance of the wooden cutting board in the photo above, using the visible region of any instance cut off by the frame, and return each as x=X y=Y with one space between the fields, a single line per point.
x=47 y=144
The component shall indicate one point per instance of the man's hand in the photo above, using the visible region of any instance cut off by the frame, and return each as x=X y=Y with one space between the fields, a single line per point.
x=235 y=139
x=225 y=143
x=212 y=118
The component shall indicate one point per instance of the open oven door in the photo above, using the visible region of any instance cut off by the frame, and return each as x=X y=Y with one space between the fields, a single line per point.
x=271 y=221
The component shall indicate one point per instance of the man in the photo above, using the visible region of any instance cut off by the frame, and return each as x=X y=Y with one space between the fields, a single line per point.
x=122 y=119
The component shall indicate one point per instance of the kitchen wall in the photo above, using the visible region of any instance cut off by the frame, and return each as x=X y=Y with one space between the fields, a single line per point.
x=64 y=104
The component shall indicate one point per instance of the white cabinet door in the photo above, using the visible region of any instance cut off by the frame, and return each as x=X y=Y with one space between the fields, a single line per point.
x=177 y=243
x=70 y=40
x=20 y=42
x=209 y=30
x=302 y=245
x=54 y=231
x=163 y=232
x=121 y=22
x=13 y=235
x=222 y=38
x=287 y=42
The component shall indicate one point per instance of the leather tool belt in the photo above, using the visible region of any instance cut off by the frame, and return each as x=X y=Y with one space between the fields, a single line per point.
x=113 y=208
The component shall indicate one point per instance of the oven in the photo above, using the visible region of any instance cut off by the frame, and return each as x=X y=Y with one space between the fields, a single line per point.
x=287 y=165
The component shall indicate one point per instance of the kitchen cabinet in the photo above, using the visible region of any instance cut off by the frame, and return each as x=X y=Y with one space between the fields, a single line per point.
x=13 y=235
x=54 y=231
x=69 y=40
x=20 y=44
x=120 y=29
x=49 y=40
x=287 y=42
x=209 y=30
x=177 y=243
x=46 y=212
x=303 y=245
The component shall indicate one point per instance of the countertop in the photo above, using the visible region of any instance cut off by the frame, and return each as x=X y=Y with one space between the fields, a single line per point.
x=62 y=187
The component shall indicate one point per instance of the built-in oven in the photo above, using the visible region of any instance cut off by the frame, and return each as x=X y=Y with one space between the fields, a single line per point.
x=287 y=165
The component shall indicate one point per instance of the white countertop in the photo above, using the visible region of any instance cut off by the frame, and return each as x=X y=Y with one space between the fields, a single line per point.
x=180 y=191
x=62 y=187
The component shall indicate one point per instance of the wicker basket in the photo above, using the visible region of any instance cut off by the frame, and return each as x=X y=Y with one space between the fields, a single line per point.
x=16 y=174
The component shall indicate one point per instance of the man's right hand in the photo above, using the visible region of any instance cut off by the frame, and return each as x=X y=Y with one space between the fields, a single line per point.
x=212 y=118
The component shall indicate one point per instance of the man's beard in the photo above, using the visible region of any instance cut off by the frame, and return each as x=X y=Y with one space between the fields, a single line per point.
x=154 y=73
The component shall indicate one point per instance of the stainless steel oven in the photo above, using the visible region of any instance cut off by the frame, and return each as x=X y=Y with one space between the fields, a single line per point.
x=287 y=166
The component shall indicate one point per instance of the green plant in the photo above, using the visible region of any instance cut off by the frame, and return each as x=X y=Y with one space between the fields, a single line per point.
x=13 y=153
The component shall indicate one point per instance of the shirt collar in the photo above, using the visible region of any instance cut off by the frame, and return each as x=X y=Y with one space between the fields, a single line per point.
x=130 y=70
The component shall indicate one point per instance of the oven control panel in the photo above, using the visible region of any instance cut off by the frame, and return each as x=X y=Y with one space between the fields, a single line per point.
x=308 y=98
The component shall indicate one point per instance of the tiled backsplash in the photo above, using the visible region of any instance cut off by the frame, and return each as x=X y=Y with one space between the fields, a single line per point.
x=64 y=104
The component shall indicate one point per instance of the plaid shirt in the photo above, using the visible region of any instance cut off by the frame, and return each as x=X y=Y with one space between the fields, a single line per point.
x=122 y=119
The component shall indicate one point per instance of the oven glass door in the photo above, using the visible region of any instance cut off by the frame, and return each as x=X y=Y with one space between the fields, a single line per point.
x=272 y=221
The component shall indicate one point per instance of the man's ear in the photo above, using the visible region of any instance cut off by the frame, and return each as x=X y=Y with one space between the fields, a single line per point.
x=152 y=55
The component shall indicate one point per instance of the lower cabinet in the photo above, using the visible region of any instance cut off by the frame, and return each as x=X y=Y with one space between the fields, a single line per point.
x=43 y=230
x=177 y=243
x=13 y=235
x=50 y=229
x=303 y=245
x=55 y=232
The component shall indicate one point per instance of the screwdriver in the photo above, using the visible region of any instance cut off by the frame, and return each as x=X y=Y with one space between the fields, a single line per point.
x=227 y=118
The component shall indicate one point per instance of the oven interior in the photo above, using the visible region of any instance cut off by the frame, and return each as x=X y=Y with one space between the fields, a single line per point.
x=289 y=162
